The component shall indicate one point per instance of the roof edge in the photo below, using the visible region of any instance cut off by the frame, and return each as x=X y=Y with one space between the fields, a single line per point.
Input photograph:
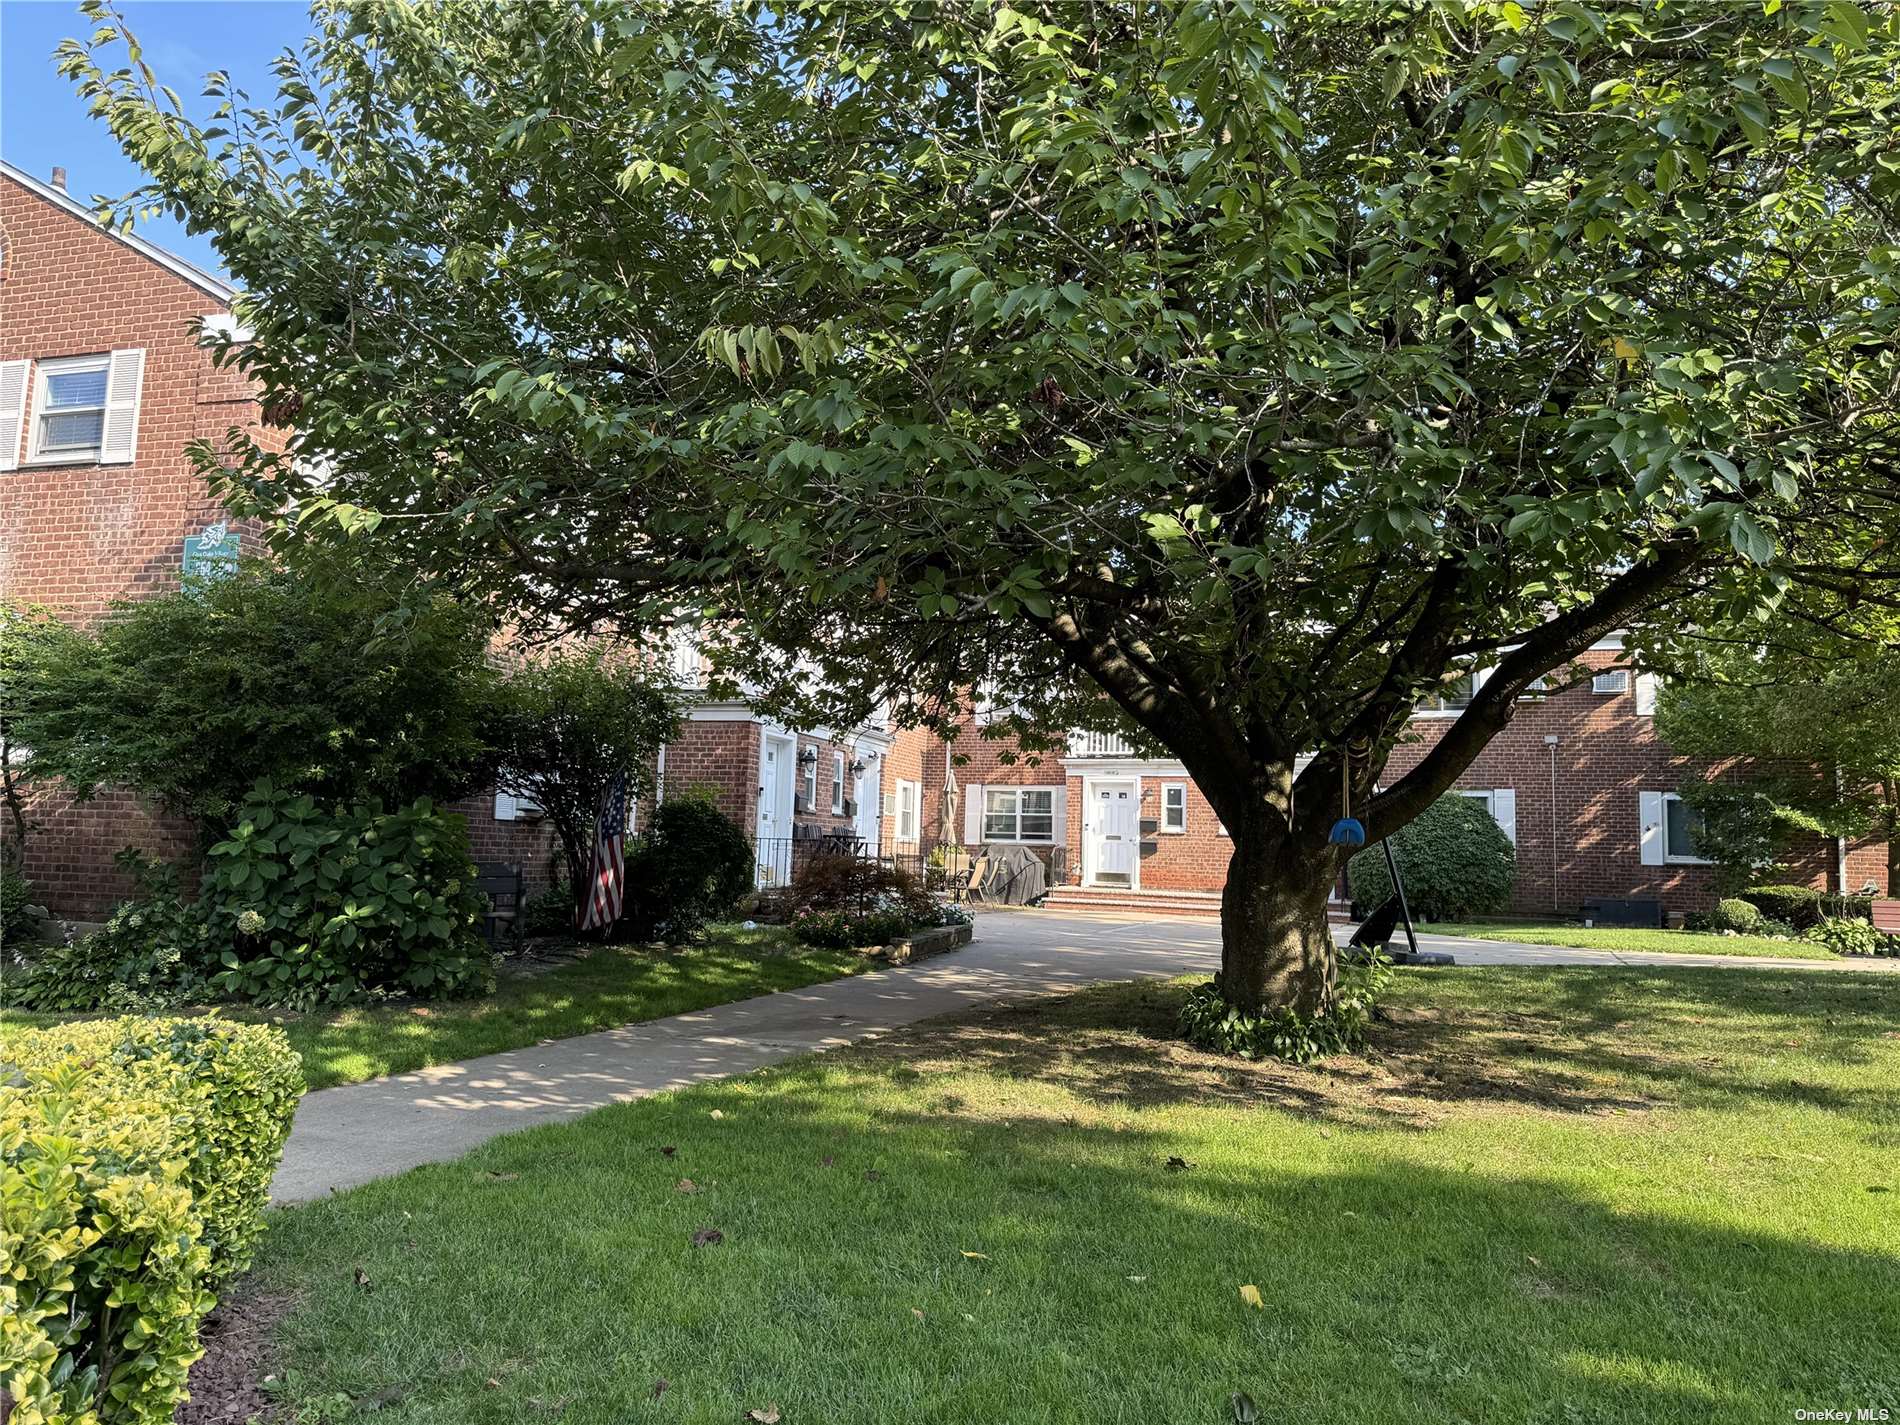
x=212 y=286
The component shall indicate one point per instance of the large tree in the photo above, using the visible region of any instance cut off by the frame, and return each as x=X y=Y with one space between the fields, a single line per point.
x=1237 y=375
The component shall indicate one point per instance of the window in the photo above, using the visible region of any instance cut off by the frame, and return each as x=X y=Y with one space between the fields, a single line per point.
x=1484 y=797
x=1174 y=806
x=1617 y=680
x=808 y=780
x=69 y=409
x=1682 y=830
x=1452 y=700
x=1019 y=813
x=907 y=800
x=837 y=784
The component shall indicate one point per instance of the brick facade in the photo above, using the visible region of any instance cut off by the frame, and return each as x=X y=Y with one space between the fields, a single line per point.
x=76 y=536
x=1595 y=750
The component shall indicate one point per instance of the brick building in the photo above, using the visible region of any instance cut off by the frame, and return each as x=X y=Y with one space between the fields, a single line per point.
x=1578 y=780
x=103 y=383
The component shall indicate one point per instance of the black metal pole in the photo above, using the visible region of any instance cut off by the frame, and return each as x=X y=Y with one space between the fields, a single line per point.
x=1398 y=884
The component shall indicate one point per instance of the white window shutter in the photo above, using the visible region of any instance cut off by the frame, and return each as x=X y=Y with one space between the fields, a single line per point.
x=888 y=805
x=1649 y=806
x=1061 y=827
x=13 y=376
x=1646 y=694
x=973 y=814
x=125 y=383
x=507 y=808
x=1504 y=811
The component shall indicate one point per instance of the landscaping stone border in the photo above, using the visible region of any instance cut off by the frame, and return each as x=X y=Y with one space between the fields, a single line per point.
x=921 y=944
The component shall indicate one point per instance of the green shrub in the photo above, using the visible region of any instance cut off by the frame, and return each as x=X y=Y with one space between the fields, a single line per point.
x=16 y=894
x=1800 y=906
x=149 y=956
x=311 y=907
x=1847 y=937
x=1736 y=915
x=692 y=866
x=1209 y=1022
x=548 y=912
x=138 y=1155
x=847 y=930
x=1455 y=860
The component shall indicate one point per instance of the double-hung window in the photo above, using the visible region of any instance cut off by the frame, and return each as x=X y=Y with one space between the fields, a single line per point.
x=1682 y=830
x=908 y=797
x=1019 y=813
x=837 y=784
x=69 y=409
x=1174 y=806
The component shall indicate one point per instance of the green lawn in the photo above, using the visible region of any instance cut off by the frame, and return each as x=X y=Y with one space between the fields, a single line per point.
x=1552 y=1195
x=1662 y=942
x=615 y=985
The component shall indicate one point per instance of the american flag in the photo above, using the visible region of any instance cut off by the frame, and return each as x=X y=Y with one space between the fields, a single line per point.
x=607 y=862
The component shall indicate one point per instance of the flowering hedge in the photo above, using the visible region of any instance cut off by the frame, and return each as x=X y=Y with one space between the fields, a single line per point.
x=137 y=1157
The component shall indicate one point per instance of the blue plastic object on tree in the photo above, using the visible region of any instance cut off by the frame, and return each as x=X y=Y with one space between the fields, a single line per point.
x=1347 y=832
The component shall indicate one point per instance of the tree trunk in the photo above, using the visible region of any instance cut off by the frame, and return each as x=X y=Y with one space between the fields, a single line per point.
x=1277 y=948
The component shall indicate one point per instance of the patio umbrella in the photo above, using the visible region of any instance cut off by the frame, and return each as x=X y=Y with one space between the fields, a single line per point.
x=947 y=810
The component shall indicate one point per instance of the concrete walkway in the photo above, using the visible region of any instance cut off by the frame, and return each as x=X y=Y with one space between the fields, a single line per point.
x=349 y=1135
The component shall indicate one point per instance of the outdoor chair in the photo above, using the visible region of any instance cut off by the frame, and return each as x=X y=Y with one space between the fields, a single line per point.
x=501 y=883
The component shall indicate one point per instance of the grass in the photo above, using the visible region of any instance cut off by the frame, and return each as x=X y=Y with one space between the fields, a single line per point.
x=1552 y=1195
x=613 y=986
x=1658 y=942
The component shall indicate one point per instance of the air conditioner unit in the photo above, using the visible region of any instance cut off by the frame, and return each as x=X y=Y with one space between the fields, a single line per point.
x=1617 y=680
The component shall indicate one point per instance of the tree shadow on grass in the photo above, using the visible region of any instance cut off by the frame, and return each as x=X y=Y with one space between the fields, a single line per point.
x=1608 y=1042
x=1107 y=1285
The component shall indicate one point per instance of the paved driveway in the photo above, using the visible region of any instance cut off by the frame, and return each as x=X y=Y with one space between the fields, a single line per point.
x=349 y=1135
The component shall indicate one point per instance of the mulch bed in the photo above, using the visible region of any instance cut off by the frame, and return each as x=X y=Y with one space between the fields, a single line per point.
x=227 y=1382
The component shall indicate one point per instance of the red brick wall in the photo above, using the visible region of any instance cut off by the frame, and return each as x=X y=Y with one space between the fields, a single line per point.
x=720 y=757
x=76 y=537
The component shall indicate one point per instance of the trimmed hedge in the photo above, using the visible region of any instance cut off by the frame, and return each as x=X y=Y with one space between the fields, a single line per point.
x=1803 y=907
x=138 y=1156
x=1742 y=917
x=1455 y=860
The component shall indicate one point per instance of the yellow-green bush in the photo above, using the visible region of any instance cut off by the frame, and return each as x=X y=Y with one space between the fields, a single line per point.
x=137 y=1157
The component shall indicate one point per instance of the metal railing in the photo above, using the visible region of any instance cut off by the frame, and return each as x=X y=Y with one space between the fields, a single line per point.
x=777 y=860
x=1099 y=744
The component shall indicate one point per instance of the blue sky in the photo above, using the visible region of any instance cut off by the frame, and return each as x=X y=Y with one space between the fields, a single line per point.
x=43 y=122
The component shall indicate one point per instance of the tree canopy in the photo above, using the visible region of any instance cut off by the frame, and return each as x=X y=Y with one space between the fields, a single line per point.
x=1240 y=374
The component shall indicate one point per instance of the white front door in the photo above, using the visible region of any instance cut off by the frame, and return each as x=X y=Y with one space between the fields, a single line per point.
x=1111 y=837
x=870 y=788
x=774 y=852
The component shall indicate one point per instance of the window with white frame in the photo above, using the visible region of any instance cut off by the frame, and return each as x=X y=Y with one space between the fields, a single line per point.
x=909 y=795
x=1452 y=699
x=1614 y=680
x=1682 y=831
x=808 y=781
x=1481 y=797
x=1174 y=806
x=837 y=784
x=1019 y=813
x=69 y=408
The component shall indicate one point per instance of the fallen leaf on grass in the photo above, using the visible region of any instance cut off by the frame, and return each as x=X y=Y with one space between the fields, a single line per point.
x=1535 y=1262
x=503 y=1177
x=918 y=1314
x=718 y=1113
x=1137 y=1279
x=668 y=1151
x=659 y=1387
x=1245 y=1411
x=708 y=1237
x=767 y=1416
x=685 y=1185
x=1251 y=1295
x=1178 y=1164
x=491 y=1384
x=362 y=1280
x=977 y=1256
